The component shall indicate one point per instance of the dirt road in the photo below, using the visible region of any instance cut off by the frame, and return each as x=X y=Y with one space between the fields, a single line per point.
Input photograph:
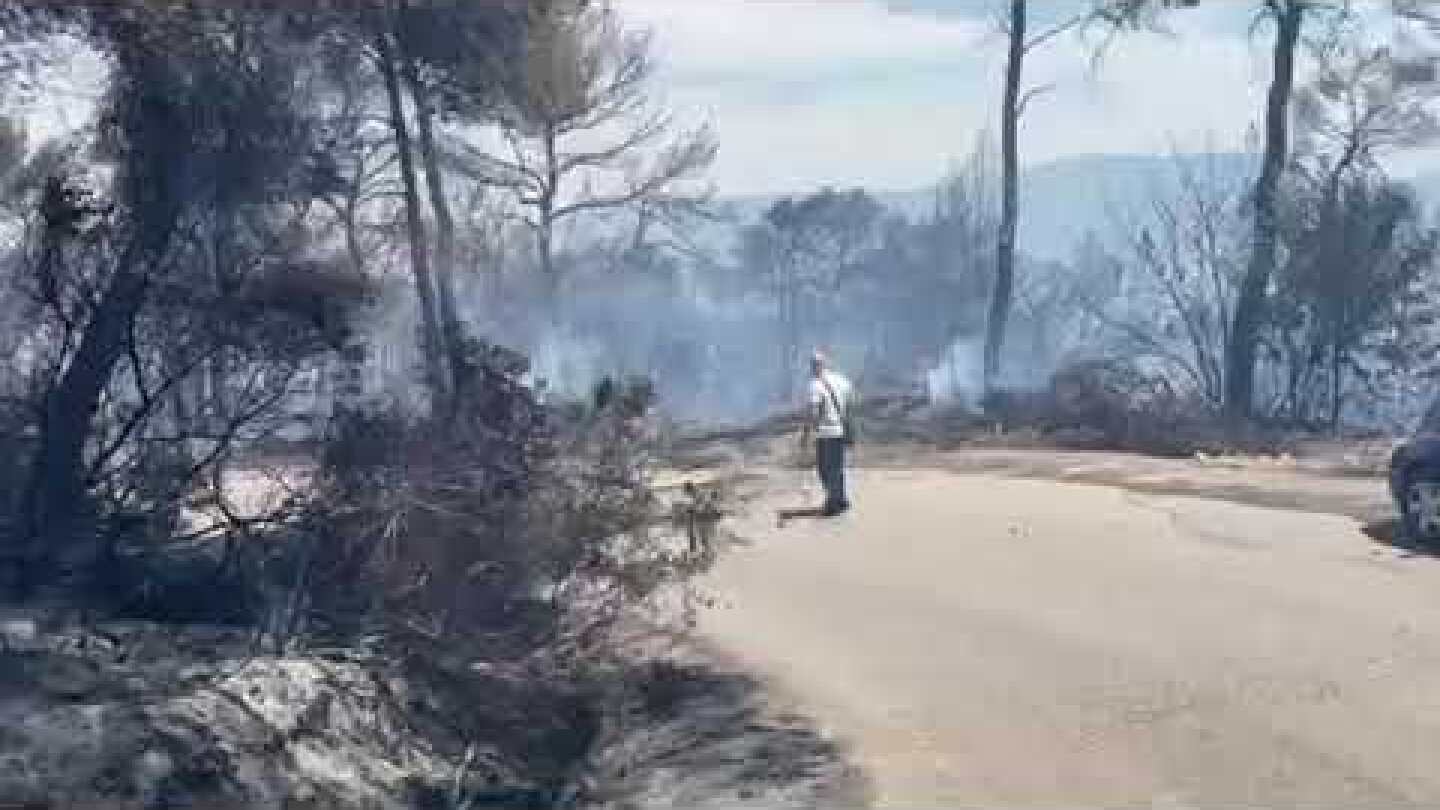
x=987 y=640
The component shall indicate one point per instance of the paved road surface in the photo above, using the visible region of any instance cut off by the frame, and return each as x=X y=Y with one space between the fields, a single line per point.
x=986 y=641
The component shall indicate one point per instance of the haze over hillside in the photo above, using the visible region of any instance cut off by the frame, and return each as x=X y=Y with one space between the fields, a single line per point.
x=1066 y=198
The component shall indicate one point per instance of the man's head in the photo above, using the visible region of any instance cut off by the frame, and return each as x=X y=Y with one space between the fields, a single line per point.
x=818 y=363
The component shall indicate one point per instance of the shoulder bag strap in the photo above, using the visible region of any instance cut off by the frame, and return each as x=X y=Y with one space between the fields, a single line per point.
x=834 y=400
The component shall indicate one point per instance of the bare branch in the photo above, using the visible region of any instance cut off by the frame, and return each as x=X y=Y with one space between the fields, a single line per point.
x=679 y=161
x=599 y=158
x=1056 y=30
x=1030 y=94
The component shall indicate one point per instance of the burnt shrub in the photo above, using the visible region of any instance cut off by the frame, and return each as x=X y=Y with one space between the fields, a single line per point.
x=501 y=526
x=1109 y=403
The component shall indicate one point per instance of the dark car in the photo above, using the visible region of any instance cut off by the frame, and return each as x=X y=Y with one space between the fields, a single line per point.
x=1415 y=479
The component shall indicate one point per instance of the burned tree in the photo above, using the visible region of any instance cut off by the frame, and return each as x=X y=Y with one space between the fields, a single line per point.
x=205 y=136
x=1240 y=355
x=430 y=318
x=409 y=66
x=803 y=251
x=1021 y=41
x=579 y=132
x=1353 y=245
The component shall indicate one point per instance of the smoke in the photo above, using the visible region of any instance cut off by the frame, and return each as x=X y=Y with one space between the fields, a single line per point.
x=710 y=337
x=960 y=377
x=710 y=356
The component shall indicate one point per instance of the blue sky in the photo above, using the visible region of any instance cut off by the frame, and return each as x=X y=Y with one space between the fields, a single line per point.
x=885 y=93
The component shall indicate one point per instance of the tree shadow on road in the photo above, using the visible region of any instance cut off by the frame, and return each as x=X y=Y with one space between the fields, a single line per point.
x=695 y=736
x=784 y=516
x=1389 y=532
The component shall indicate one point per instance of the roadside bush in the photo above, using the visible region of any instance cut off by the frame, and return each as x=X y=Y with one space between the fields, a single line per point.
x=1115 y=405
x=1132 y=410
x=1110 y=404
x=504 y=527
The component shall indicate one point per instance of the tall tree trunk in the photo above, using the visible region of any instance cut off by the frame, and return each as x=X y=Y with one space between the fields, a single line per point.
x=53 y=508
x=1240 y=354
x=1330 y=222
x=1003 y=291
x=1337 y=387
x=790 y=305
x=419 y=251
x=554 y=292
x=55 y=495
x=545 y=247
x=444 y=223
x=549 y=199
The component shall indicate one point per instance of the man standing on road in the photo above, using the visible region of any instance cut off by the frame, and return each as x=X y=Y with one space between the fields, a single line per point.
x=830 y=396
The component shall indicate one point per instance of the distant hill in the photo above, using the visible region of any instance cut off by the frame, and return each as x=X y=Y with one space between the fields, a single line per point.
x=1064 y=199
x=1426 y=186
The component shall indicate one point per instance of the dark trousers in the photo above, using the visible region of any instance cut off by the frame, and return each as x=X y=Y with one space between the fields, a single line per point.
x=830 y=464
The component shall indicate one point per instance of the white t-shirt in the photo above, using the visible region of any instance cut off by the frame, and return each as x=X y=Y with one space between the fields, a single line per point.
x=832 y=408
